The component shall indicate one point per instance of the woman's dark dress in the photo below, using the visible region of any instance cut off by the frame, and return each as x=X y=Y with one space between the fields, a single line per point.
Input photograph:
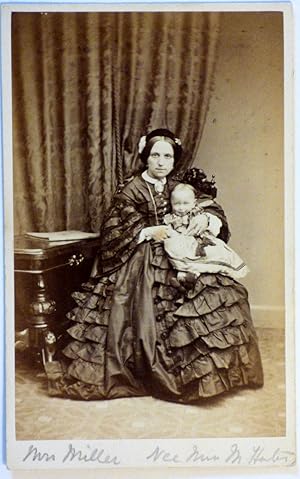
x=135 y=334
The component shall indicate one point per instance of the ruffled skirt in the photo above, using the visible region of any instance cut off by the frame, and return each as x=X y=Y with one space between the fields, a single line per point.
x=135 y=334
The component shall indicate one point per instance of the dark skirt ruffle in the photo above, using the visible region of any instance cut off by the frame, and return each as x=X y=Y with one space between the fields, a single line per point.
x=135 y=334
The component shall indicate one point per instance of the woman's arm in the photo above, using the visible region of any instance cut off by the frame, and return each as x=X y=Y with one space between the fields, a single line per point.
x=120 y=233
x=125 y=226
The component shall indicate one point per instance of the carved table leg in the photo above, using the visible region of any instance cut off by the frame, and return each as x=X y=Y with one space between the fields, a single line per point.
x=40 y=309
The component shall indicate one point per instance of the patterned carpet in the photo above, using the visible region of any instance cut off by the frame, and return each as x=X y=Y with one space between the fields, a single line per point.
x=253 y=413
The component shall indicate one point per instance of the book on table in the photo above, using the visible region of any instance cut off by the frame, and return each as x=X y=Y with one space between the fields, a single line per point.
x=67 y=235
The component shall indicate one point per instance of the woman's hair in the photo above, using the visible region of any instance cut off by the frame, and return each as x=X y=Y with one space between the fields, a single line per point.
x=161 y=134
x=184 y=187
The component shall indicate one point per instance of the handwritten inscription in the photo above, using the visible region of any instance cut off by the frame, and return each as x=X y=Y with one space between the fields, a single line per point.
x=234 y=457
x=72 y=455
x=195 y=456
x=256 y=455
x=90 y=455
x=198 y=456
x=37 y=456
x=277 y=457
x=159 y=454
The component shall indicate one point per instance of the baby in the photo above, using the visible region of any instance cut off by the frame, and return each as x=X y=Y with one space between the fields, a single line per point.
x=193 y=247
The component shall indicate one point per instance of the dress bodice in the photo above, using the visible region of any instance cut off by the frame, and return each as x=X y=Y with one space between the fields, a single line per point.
x=150 y=204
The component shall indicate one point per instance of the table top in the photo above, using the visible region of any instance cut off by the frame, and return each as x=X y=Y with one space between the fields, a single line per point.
x=27 y=245
x=34 y=255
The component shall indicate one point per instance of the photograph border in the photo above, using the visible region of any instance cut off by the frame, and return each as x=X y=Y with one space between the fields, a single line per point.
x=131 y=453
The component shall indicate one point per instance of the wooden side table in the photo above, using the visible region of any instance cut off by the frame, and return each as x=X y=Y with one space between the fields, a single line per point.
x=46 y=274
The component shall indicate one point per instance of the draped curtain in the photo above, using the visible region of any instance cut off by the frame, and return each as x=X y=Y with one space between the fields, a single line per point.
x=86 y=86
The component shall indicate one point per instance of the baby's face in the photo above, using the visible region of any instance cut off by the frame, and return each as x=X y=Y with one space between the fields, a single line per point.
x=182 y=202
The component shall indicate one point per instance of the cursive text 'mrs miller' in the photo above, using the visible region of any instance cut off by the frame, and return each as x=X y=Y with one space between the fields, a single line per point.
x=95 y=455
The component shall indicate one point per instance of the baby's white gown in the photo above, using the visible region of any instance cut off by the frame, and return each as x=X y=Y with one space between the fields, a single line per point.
x=219 y=258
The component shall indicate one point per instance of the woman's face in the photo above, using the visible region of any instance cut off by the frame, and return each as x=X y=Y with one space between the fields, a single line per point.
x=161 y=160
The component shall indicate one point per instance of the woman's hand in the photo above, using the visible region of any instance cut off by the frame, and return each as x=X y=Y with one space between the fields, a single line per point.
x=157 y=233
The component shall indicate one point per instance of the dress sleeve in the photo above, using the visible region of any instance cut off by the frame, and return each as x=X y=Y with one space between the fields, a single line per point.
x=120 y=233
x=216 y=210
x=214 y=225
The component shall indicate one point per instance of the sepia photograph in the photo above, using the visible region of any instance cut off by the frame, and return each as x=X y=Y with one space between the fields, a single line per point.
x=149 y=235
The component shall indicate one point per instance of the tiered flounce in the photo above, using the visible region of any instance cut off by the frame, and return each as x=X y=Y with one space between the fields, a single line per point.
x=177 y=346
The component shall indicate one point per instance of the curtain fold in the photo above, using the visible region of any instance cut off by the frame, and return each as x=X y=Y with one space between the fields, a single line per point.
x=86 y=86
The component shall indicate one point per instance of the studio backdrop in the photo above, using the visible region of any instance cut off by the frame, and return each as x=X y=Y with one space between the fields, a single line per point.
x=86 y=86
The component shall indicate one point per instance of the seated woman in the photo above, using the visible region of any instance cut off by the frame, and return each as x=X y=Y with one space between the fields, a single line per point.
x=136 y=334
